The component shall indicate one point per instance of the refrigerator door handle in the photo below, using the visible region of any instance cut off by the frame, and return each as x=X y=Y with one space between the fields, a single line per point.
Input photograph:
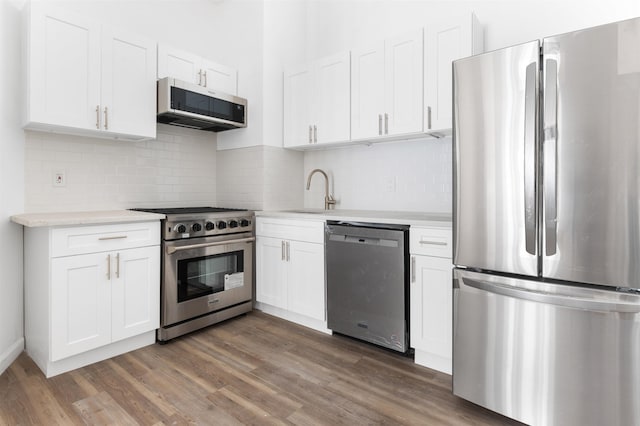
x=530 y=109
x=550 y=154
x=553 y=299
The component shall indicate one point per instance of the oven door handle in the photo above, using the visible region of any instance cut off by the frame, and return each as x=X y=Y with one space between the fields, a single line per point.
x=171 y=250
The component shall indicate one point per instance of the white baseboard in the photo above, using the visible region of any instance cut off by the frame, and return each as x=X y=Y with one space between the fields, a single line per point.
x=10 y=355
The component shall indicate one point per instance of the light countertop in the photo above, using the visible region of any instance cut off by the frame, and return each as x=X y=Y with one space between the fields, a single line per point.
x=83 y=218
x=403 y=218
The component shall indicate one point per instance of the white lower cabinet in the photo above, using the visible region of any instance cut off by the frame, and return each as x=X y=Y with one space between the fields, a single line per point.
x=290 y=279
x=85 y=307
x=431 y=304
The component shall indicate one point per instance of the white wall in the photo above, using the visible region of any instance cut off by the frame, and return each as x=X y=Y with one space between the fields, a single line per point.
x=416 y=176
x=11 y=187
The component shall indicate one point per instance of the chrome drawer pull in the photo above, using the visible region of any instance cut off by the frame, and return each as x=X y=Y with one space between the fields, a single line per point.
x=118 y=237
x=434 y=243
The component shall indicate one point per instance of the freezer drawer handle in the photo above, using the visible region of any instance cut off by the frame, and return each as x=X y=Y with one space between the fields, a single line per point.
x=433 y=243
x=559 y=300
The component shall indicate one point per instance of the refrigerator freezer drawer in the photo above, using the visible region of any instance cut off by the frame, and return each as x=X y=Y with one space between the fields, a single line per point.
x=546 y=354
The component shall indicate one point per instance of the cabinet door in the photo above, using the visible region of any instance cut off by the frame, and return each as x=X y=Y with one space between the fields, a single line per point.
x=179 y=64
x=80 y=304
x=306 y=289
x=135 y=291
x=331 y=99
x=271 y=274
x=403 y=84
x=444 y=42
x=367 y=91
x=219 y=77
x=298 y=129
x=431 y=306
x=64 y=69
x=128 y=84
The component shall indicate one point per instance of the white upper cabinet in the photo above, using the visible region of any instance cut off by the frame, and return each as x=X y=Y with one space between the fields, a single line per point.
x=84 y=78
x=297 y=107
x=317 y=102
x=367 y=91
x=403 y=84
x=128 y=83
x=386 y=88
x=331 y=101
x=445 y=41
x=194 y=69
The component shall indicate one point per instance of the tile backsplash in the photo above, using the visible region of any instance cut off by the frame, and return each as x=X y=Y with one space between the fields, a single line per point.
x=176 y=169
x=407 y=176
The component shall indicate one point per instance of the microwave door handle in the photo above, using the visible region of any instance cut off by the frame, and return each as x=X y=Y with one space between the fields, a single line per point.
x=530 y=157
x=171 y=250
x=550 y=155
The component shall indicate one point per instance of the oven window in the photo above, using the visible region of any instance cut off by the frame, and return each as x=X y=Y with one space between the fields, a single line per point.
x=204 y=275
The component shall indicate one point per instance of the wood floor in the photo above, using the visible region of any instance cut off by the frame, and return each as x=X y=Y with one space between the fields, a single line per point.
x=255 y=369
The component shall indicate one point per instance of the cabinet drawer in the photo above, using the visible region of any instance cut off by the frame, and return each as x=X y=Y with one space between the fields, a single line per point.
x=430 y=241
x=291 y=229
x=96 y=238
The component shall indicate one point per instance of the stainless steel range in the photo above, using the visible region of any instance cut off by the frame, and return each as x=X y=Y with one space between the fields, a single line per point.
x=207 y=267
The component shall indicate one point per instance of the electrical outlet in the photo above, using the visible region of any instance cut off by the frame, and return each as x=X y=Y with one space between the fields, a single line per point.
x=389 y=184
x=59 y=178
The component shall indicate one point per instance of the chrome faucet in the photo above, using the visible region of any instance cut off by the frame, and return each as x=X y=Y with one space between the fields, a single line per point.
x=328 y=198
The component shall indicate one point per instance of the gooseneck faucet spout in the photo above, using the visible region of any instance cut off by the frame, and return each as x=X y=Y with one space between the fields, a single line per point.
x=328 y=198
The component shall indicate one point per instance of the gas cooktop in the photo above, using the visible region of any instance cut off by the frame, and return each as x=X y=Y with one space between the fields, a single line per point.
x=189 y=210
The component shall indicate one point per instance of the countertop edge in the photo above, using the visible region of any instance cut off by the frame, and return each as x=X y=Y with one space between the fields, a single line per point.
x=35 y=220
x=402 y=218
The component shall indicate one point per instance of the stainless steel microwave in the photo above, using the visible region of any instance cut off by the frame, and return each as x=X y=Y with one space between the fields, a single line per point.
x=196 y=107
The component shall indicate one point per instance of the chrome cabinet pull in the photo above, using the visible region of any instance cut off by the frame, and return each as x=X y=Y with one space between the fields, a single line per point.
x=98 y=117
x=379 y=124
x=117 y=237
x=310 y=134
x=108 y=266
x=282 y=257
x=530 y=126
x=413 y=269
x=428 y=118
x=118 y=265
x=205 y=79
x=386 y=123
x=288 y=252
x=433 y=243
x=315 y=134
x=106 y=118
x=199 y=77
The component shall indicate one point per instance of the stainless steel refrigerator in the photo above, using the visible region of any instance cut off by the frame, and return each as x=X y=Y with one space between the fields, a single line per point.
x=547 y=228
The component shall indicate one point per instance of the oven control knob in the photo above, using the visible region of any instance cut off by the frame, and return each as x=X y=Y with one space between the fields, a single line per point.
x=180 y=228
x=244 y=222
x=196 y=227
x=222 y=225
x=233 y=224
x=209 y=226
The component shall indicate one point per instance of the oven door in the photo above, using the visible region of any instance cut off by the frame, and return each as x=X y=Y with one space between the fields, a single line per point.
x=204 y=275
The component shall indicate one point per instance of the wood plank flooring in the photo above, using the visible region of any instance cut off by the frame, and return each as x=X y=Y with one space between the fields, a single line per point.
x=254 y=369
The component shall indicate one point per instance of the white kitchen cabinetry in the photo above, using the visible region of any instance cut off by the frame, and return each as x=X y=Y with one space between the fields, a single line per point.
x=386 y=88
x=431 y=304
x=91 y=292
x=317 y=102
x=290 y=279
x=85 y=78
x=445 y=41
x=194 y=69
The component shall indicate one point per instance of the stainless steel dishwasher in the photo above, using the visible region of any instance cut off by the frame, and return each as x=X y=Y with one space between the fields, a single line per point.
x=367 y=282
